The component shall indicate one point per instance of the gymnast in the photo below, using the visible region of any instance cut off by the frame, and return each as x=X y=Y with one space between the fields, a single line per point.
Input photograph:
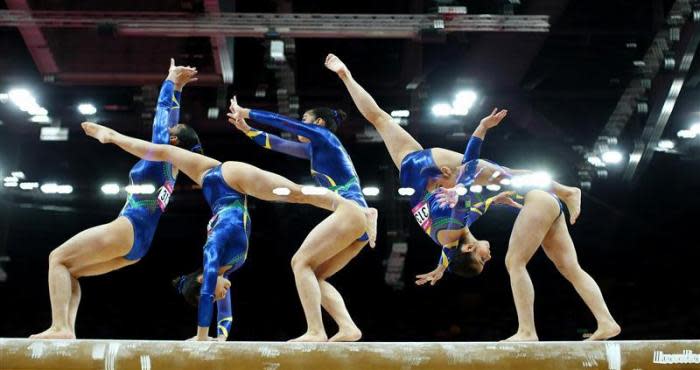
x=125 y=240
x=442 y=177
x=539 y=222
x=331 y=167
x=426 y=171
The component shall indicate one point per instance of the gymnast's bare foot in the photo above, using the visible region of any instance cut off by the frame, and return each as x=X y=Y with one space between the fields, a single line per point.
x=99 y=132
x=605 y=331
x=522 y=337
x=573 y=203
x=371 y=214
x=54 y=333
x=311 y=337
x=349 y=334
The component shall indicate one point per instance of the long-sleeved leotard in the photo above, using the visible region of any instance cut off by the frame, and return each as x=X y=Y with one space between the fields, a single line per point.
x=331 y=166
x=144 y=210
x=227 y=239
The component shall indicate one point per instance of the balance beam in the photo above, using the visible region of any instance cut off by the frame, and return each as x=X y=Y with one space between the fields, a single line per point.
x=26 y=354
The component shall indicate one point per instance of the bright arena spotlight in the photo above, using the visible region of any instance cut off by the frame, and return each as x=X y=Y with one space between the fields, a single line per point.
x=687 y=134
x=370 y=191
x=406 y=191
x=612 y=157
x=87 y=109
x=441 y=109
x=18 y=174
x=10 y=182
x=23 y=99
x=595 y=161
x=463 y=102
x=110 y=189
x=695 y=128
x=49 y=188
x=403 y=113
x=667 y=144
x=28 y=185
x=539 y=180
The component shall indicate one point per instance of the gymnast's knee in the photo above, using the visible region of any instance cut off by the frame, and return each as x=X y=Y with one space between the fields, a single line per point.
x=300 y=262
x=57 y=258
x=515 y=263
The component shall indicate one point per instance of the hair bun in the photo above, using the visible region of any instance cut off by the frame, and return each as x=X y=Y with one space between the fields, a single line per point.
x=339 y=115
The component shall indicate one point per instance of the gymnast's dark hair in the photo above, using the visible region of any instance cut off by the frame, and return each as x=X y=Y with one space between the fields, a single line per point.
x=464 y=264
x=332 y=117
x=189 y=287
x=188 y=139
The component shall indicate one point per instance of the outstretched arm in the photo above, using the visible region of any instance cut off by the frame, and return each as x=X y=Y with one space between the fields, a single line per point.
x=278 y=121
x=474 y=145
x=206 y=293
x=474 y=212
x=479 y=209
x=168 y=107
x=161 y=120
x=273 y=142
x=362 y=99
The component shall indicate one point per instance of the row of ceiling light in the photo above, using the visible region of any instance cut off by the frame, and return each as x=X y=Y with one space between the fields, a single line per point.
x=25 y=101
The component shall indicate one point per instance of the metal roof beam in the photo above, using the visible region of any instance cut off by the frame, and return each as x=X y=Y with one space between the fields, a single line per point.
x=34 y=38
x=288 y=25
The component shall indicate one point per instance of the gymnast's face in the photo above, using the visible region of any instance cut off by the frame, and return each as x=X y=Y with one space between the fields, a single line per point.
x=448 y=178
x=310 y=118
x=481 y=249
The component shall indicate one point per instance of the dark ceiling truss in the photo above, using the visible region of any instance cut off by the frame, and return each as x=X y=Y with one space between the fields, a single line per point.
x=212 y=24
x=222 y=53
x=665 y=100
x=670 y=44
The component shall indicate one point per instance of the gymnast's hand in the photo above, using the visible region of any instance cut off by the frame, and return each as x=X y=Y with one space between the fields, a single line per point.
x=336 y=65
x=237 y=112
x=240 y=124
x=505 y=199
x=448 y=197
x=181 y=75
x=493 y=119
x=432 y=276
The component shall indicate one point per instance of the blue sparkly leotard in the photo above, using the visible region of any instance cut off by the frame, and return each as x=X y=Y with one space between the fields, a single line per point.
x=226 y=246
x=144 y=210
x=331 y=166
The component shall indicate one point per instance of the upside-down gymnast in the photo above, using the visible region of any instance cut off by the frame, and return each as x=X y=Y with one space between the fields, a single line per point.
x=225 y=187
x=125 y=240
x=426 y=171
x=435 y=168
x=332 y=168
x=540 y=222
